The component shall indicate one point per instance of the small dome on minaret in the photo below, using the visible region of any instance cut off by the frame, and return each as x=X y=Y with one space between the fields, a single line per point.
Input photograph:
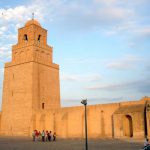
x=31 y=22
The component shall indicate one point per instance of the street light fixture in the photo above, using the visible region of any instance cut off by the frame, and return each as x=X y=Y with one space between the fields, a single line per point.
x=84 y=102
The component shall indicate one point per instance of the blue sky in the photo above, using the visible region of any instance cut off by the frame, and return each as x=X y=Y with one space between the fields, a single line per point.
x=102 y=46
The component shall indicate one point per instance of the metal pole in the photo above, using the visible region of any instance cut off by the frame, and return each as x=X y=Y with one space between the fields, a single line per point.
x=86 y=140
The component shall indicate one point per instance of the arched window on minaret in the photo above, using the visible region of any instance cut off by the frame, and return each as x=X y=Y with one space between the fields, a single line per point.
x=25 y=37
x=39 y=38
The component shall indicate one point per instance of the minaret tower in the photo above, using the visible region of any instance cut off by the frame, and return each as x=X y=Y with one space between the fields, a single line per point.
x=31 y=80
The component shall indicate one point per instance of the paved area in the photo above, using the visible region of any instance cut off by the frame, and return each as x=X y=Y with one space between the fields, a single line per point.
x=20 y=143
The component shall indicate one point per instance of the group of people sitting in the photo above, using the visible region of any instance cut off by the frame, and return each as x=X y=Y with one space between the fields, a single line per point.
x=43 y=136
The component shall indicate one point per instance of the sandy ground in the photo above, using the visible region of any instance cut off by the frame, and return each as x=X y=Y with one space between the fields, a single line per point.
x=20 y=143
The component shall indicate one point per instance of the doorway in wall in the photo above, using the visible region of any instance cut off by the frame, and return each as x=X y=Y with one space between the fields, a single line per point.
x=127 y=126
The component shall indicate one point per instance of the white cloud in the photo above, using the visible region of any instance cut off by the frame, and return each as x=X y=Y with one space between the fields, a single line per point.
x=106 y=2
x=132 y=44
x=82 y=60
x=84 y=17
x=20 y=14
x=125 y=63
x=129 y=20
x=121 y=2
x=115 y=13
x=80 y=78
x=142 y=86
x=1 y=70
x=143 y=31
x=2 y=30
x=131 y=28
x=5 y=52
x=122 y=27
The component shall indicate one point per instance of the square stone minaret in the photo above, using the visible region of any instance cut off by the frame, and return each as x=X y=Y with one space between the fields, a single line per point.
x=31 y=80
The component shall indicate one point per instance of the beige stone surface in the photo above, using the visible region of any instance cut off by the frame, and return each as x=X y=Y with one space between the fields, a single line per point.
x=31 y=98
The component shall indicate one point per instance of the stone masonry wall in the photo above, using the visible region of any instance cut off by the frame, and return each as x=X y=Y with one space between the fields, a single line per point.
x=17 y=99
x=69 y=122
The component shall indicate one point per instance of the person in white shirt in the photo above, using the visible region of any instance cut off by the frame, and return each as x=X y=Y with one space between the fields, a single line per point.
x=43 y=136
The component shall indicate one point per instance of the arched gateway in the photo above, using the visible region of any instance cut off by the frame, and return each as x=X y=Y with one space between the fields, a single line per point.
x=127 y=126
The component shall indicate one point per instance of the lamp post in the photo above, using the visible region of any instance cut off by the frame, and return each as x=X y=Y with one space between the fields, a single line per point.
x=84 y=102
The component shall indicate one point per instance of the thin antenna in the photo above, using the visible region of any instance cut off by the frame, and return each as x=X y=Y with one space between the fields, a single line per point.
x=33 y=16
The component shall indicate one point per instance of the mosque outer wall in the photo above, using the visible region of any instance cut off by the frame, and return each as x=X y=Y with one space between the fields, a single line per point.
x=138 y=125
x=138 y=119
x=68 y=122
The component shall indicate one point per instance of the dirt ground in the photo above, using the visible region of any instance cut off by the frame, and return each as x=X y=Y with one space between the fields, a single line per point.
x=20 y=143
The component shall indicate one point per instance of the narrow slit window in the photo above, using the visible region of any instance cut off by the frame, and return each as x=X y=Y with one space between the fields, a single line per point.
x=25 y=37
x=39 y=38
x=42 y=105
